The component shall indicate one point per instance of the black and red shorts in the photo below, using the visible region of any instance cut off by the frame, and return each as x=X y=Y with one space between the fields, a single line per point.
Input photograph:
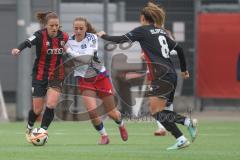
x=164 y=87
x=40 y=87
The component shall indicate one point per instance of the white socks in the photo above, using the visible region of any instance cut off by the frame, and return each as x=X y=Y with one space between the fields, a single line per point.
x=181 y=139
x=103 y=131
x=29 y=127
x=121 y=124
x=169 y=108
x=187 y=122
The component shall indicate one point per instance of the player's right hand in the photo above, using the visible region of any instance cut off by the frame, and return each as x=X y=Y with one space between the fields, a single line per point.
x=100 y=34
x=15 y=51
x=185 y=75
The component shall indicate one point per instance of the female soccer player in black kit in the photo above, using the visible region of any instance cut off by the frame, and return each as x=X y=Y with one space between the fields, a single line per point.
x=156 y=46
x=47 y=76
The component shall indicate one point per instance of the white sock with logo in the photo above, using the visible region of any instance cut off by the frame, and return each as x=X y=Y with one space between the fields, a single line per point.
x=103 y=131
x=181 y=139
x=187 y=122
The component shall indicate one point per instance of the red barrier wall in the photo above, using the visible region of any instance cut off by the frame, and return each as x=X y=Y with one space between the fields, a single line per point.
x=217 y=54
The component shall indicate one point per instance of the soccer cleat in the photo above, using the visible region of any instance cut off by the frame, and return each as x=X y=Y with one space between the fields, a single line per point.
x=179 y=145
x=192 y=129
x=28 y=135
x=104 y=140
x=123 y=133
x=160 y=132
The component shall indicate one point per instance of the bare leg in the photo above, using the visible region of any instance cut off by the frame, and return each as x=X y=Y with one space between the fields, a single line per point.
x=52 y=98
x=113 y=113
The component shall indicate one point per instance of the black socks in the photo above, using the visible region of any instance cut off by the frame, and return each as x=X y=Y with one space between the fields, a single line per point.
x=31 y=118
x=47 y=118
x=177 y=118
x=167 y=119
x=119 y=122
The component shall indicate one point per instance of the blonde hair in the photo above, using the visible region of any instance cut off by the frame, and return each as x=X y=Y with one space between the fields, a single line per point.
x=90 y=28
x=154 y=14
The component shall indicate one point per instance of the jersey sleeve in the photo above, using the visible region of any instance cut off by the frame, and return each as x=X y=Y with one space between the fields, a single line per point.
x=136 y=34
x=34 y=39
x=29 y=42
x=181 y=58
x=116 y=39
x=171 y=43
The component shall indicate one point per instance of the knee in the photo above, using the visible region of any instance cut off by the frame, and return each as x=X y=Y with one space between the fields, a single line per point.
x=51 y=104
x=96 y=121
x=37 y=110
x=114 y=114
x=93 y=115
x=52 y=98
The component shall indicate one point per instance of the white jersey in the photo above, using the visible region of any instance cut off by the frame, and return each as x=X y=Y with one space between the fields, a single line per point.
x=83 y=53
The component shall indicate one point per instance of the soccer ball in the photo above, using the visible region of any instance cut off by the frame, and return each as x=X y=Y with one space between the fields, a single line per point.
x=39 y=136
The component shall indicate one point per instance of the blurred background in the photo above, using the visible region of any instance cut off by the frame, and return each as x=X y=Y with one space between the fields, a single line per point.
x=208 y=30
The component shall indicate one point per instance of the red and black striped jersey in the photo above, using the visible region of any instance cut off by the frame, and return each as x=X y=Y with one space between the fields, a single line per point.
x=49 y=53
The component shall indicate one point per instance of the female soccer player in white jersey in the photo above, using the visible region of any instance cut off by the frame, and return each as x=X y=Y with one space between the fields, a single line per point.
x=156 y=46
x=92 y=77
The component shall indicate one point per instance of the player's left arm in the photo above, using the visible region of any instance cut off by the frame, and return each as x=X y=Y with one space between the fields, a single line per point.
x=93 y=45
x=116 y=39
x=182 y=60
x=183 y=66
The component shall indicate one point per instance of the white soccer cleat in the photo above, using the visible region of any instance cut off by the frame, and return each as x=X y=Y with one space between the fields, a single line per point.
x=28 y=135
x=179 y=145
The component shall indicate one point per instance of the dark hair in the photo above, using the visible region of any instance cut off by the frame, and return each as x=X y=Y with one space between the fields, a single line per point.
x=154 y=14
x=44 y=17
x=90 y=28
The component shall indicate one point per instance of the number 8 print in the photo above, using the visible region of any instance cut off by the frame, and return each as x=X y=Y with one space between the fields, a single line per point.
x=164 y=46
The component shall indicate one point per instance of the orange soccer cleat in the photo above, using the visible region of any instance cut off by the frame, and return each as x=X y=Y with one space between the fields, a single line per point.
x=160 y=132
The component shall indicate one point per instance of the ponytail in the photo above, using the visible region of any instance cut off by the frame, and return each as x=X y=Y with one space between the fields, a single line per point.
x=154 y=14
x=44 y=17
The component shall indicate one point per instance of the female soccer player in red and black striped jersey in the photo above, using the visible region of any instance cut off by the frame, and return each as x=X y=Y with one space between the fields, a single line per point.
x=156 y=46
x=93 y=78
x=47 y=78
